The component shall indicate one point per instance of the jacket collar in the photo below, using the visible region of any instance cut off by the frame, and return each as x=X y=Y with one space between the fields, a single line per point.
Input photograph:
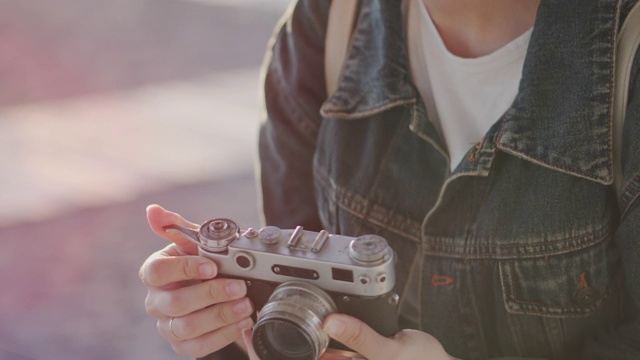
x=569 y=133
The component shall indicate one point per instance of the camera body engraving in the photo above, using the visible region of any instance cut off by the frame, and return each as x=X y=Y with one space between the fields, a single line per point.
x=356 y=276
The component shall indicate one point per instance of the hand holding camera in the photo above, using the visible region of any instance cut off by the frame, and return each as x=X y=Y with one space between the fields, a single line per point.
x=305 y=286
x=295 y=278
x=197 y=312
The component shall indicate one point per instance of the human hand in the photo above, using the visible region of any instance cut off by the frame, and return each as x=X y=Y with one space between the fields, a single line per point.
x=405 y=345
x=197 y=313
x=355 y=334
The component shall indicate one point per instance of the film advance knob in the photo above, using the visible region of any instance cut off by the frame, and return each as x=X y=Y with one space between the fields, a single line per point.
x=369 y=248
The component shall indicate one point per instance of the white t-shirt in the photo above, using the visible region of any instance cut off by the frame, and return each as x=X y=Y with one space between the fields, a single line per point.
x=463 y=96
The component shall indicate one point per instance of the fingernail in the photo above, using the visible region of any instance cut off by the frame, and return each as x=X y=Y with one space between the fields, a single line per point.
x=207 y=270
x=334 y=327
x=235 y=288
x=152 y=206
x=242 y=307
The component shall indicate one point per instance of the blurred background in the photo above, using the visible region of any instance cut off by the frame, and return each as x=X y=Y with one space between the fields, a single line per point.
x=107 y=106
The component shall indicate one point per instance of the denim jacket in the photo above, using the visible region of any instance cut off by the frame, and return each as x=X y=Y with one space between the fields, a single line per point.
x=526 y=250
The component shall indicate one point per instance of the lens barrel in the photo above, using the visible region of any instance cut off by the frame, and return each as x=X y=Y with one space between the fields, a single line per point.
x=289 y=326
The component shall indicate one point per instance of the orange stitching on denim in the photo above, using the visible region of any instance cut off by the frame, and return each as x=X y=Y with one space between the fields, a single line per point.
x=524 y=306
x=441 y=280
x=475 y=154
x=583 y=281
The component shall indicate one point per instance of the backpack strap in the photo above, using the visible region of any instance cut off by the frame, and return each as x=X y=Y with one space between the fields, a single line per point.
x=339 y=26
x=628 y=41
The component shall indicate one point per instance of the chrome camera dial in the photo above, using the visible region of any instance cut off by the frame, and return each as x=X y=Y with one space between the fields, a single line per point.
x=269 y=234
x=217 y=234
x=369 y=249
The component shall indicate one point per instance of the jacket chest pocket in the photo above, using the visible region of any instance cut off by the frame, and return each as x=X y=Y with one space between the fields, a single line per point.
x=554 y=303
x=572 y=284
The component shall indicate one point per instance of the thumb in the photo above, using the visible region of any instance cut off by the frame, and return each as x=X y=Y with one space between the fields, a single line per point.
x=358 y=336
x=159 y=218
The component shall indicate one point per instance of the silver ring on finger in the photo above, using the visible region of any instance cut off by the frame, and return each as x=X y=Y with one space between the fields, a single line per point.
x=176 y=337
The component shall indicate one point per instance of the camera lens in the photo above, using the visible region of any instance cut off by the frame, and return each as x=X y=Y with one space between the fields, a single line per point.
x=289 y=325
x=287 y=340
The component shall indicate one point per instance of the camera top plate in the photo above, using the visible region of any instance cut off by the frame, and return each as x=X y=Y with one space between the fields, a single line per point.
x=361 y=266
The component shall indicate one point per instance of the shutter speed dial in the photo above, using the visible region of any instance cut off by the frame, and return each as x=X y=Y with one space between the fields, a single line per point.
x=369 y=249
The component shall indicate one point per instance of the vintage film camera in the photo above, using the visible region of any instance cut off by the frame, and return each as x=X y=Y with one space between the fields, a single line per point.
x=296 y=278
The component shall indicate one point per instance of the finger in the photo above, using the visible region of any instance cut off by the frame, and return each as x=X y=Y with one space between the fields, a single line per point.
x=206 y=320
x=210 y=342
x=359 y=336
x=247 y=335
x=159 y=218
x=160 y=271
x=185 y=300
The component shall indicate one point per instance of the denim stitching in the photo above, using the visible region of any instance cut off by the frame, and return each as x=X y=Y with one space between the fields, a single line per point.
x=632 y=189
x=345 y=199
x=483 y=255
x=352 y=202
x=453 y=241
x=375 y=109
x=513 y=151
x=566 y=310
x=384 y=212
x=612 y=78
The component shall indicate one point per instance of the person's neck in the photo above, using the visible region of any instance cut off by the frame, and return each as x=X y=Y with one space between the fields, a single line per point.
x=473 y=28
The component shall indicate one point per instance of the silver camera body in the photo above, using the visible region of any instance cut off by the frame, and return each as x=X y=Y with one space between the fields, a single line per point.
x=296 y=278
